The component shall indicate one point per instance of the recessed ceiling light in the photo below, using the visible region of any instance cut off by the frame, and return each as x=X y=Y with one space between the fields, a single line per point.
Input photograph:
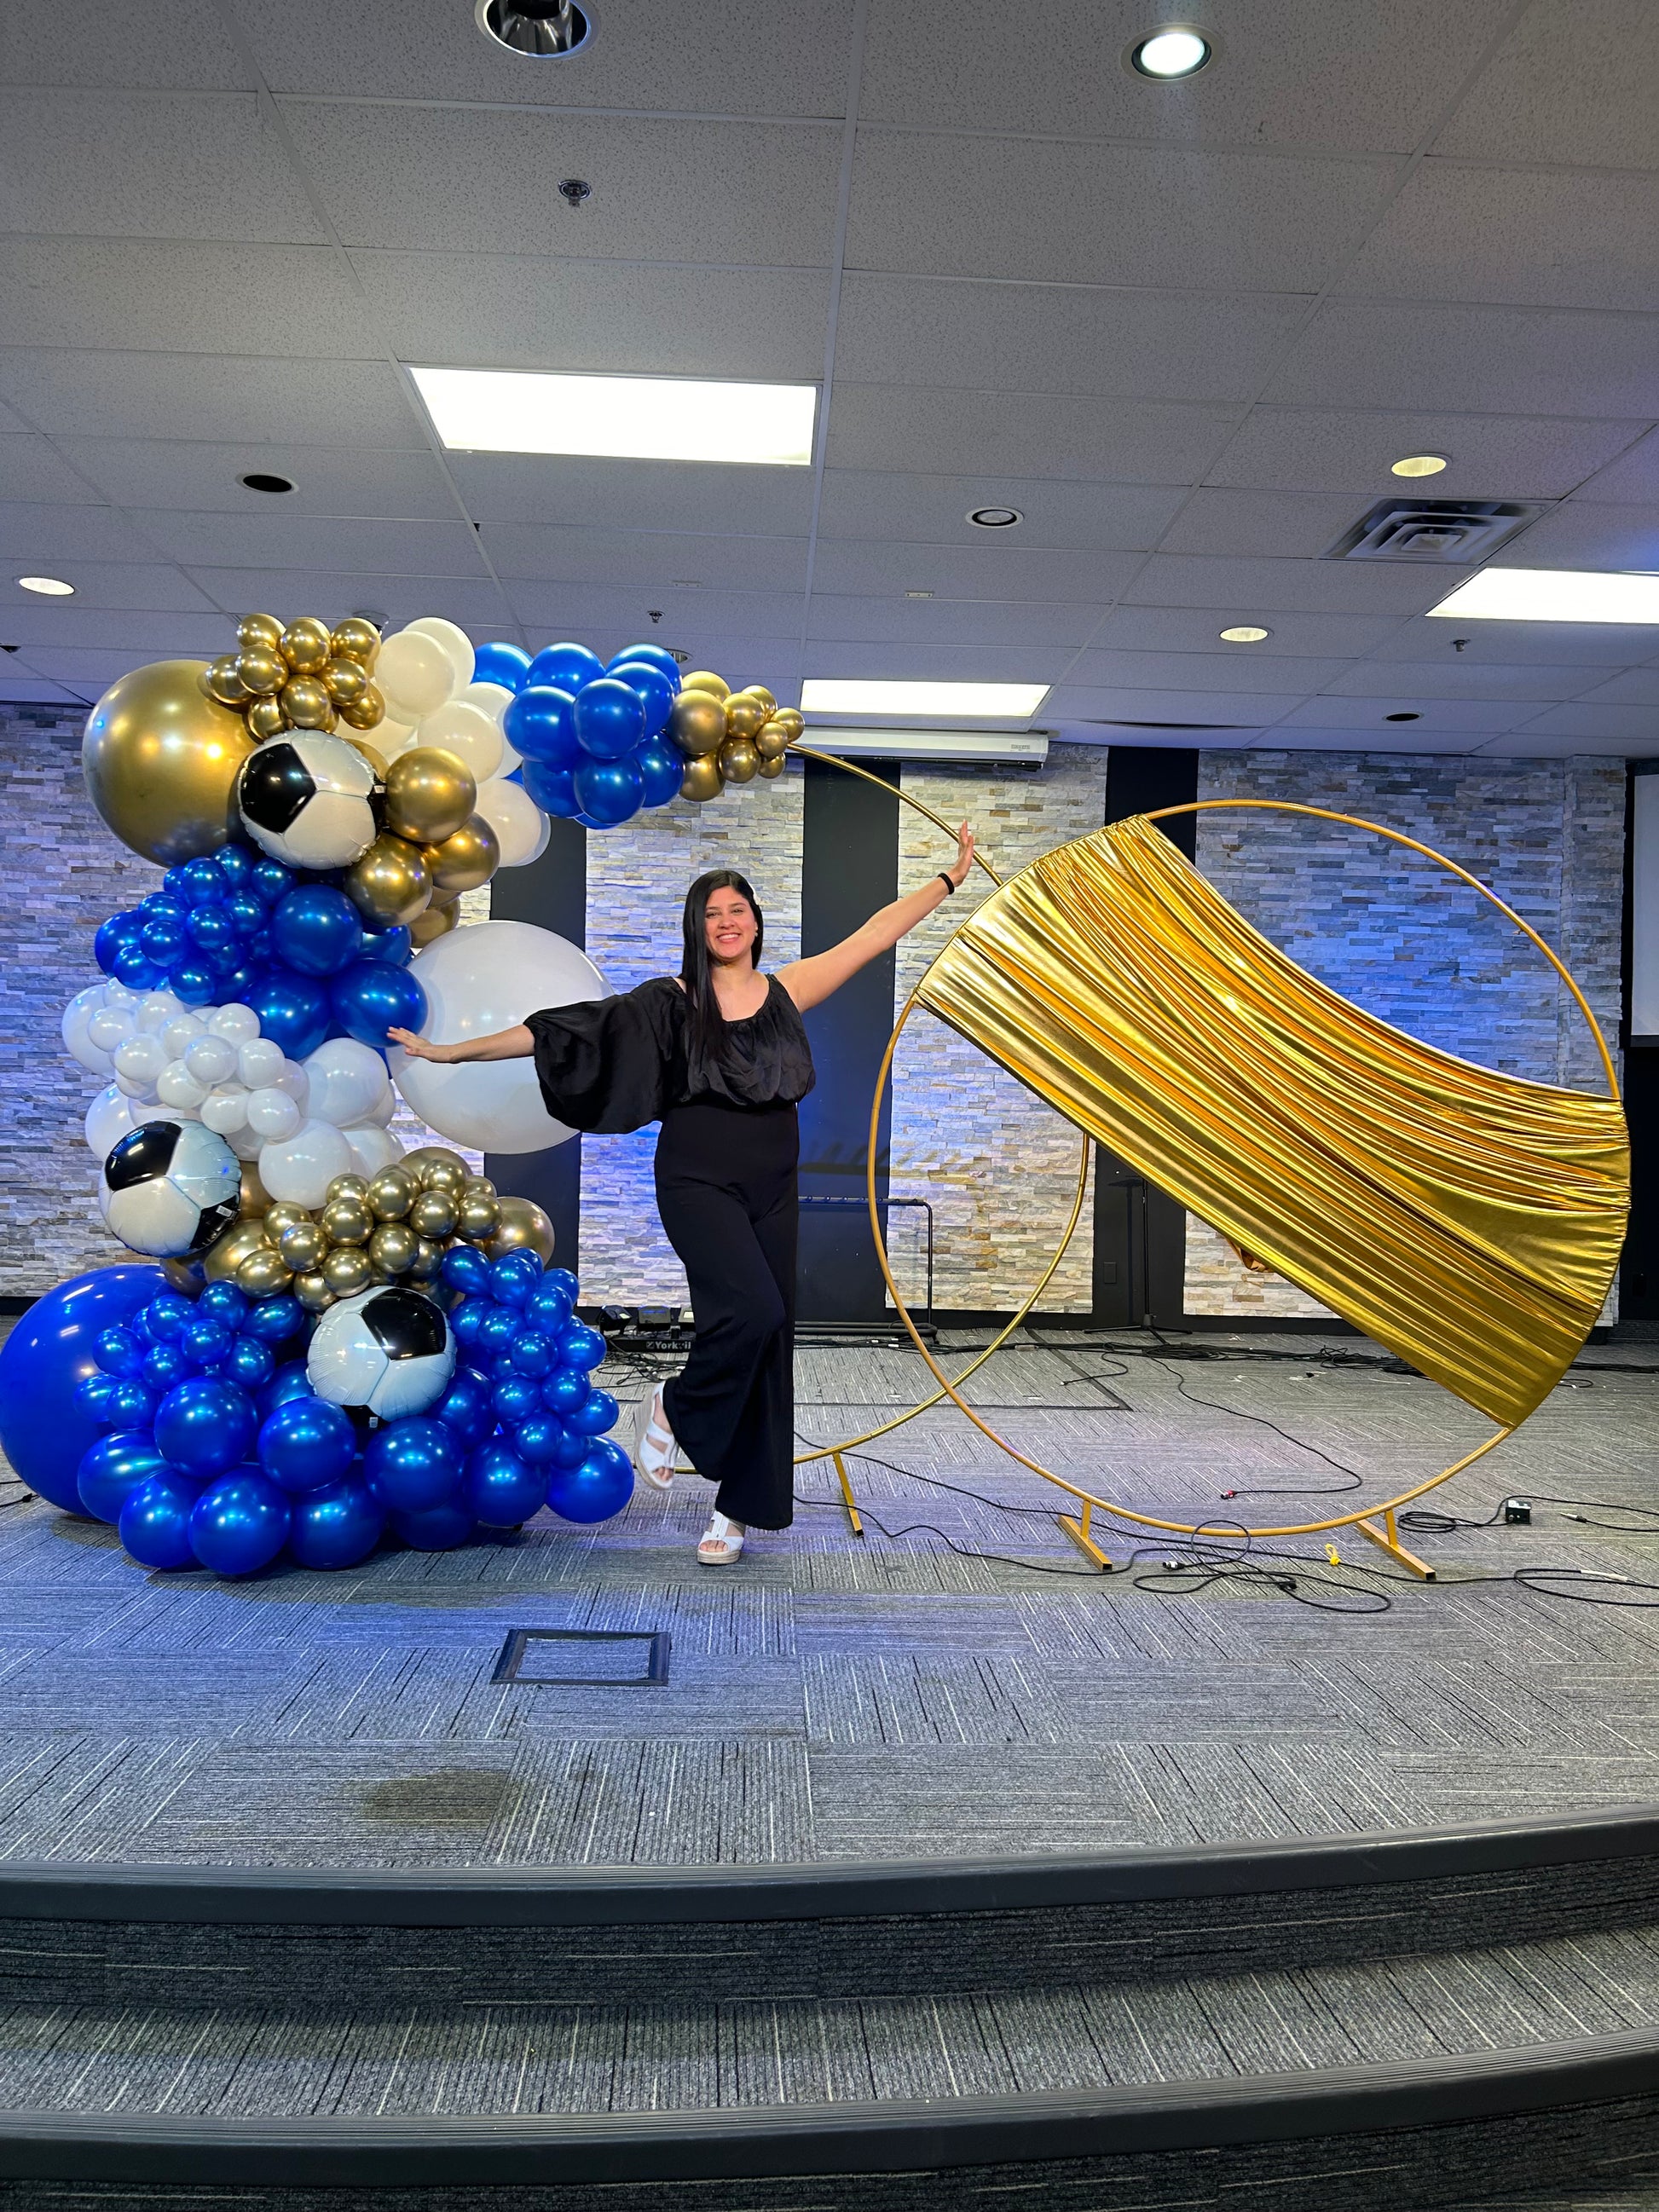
x=865 y=695
x=49 y=587
x=1402 y=718
x=1566 y=595
x=1174 y=52
x=262 y=480
x=1245 y=634
x=995 y=518
x=642 y=418
x=1418 y=464
x=541 y=30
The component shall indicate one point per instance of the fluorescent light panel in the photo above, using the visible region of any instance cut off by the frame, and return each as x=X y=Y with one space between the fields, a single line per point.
x=1020 y=748
x=1002 y=702
x=642 y=418
x=1562 y=595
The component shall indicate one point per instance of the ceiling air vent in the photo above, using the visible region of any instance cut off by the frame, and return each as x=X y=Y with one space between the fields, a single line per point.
x=1461 y=530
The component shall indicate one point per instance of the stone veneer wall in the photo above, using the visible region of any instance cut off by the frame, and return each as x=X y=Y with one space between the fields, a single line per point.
x=1408 y=941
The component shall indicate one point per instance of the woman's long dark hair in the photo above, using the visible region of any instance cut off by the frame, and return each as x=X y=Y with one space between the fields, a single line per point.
x=708 y=1038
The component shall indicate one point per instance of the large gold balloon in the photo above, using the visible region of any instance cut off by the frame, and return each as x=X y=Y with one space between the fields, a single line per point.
x=355 y=640
x=366 y=711
x=306 y=646
x=345 y=681
x=238 y=1242
x=703 y=779
x=263 y=1274
x=739 y=761
x=160 y=759
x=306 y=703
x=465 y=861
x=263 y=673
x=771 y=768
x=429 y=794
x=772 y=743
x=697 y=723
x=266 y=718
x=392 y=1247
x=437 y=921
x=746 y=715
x=704 y=679
x=256 y=1198
x=524 y=1227
x=376 y=761
x=390 y=884
x=222 y=683
x=258 y=634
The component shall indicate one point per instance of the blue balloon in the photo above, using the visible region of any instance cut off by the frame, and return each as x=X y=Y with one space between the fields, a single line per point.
x=656 y=692
x=464 y=1268
x=515 y=1398
x=114 y=1466
x=118 y=1351
x=289 y=1381
x=251 y=1363
x=497 y=662
x=414 y=1465
x=130 y=1404
x=467 y=1406
x=212 y=930
x=599 y=1487
x=579 y=1346
x=334 y=1528
x=307 y=1444
x=502 y=1490
x=395 y=947
x=533 y=1352
x=154 y=1521
x=226 y=1303
x=536 y=1439
x=164 y=1366
x=610 y=717
x=293 y=1010
x=164 y=940
x=201 y=883
x=572 y=1447
x=196 y=984
x=206 y=1339
x=568 y=666
x=496 y=1331
x=563 y=1279
x=120 y=929
x=553 y=789
x=369 y=999
x=549 y=1306
x=93 y=1395
x=440 y=1529
x=660 y=771
x=238 y=1524
x=273 y=1320
x=316 y=929
x=268 y=879
x=467 y=1319
x=134 y=967
x=597 y=1412
x=541 y=724
x=164 y=1317
x=655 y=656
x=43 y=1432
x=205 y=1426
x=235 y=862
x=564 y=1389
x=611 y=792
x=514 y=1276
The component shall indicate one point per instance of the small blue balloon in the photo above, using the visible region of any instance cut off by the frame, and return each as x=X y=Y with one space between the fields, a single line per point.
x=467 y=1406
x=201 y=883
x=440 y=1529
x=251 y=1363
x=164 y=940
x=609 y=719
x=564 y=1389
x=118 y=1351
x=238 y=1524
x=596 y=1490
x=661 y=772
x=293 y=1010
x=536 y=1439
x=572 y=1447
x=120 y=929
x=369 y=999
x=130 y=1404
x=164 y=1366
x=541 y=725
x=496 y=1331
x=205 y=1426
x=273 y=1320
x=579 y=1346
x=92 y=1396
x=611 y=792
x=154 y=1521
x=597 y=1412
x=468 y=1319
x=395 y=947
x=655 y=656
x=336 y=1527
x=211 y=930
x=497 y=662
x=656 y=692
x=414 y=1465
x=245 y=913
x=206 y=1339
x=306 y=1445
x=511 y=1281
x=502 y=1490
x=563 y=1279
x=515 y=1398
x=268 y=879
x=235 y=862
x=533 y=1352
x=134 y=966
x=225 y=1303
x=111 y=1467
x=164 y=1317
x=464 y=1268
x=316 y=929
x=568 y=666
x=196 y=984
x=289 y=1381
x=549 y=1306
x=553 y=789
x=173 y=885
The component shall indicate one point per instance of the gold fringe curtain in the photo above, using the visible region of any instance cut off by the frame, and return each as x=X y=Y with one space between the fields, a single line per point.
x=1469 y=1221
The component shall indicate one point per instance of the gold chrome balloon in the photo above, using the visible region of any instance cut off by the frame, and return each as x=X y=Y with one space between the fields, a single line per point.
x=346 y=1186
x=222 y=683
x=767 y=699
x=524 y=1227
x=429 y=1258
x=160 y=760
x=697 y=723
x=391 y=1194
x=771 y=768
x=304 y=1246
x=436 y=1167
x=345 y=681
x=306 y=703
x=772 y=743
x=306 y=646
x=346 y=1270
x=346 y=1221
x=465 y=861
x=739 y=760
x=258 y=634
x=432 y=1214
x=479 y=1218
x=376 y=761
x=704 y=679
x=366 y=711
x=283 y=1215
x=256 y=1198
x=429 y=794
x=390 y=884
x=392 y=1247
x=266 y=718
x=790 y=720
x=703 y=779
x=264 y=1275
x=263 y=673
x=355 y=640
x=746 y=715
x=437 y=921
x=242 y=1239
x=312 y=1293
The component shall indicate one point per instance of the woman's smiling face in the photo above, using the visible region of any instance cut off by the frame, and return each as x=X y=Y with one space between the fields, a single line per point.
x=728 y=923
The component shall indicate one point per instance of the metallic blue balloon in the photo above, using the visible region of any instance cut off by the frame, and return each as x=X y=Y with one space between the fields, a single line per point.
x=201 y=883
x=441 y=1528
x=541 y=724
x=154 y=1521
x=195 y=983
x=464 y=1268
x=207 y=1340
x=369 y=999
x=273 y=1320
x=514 y=1276
x=502 y=1490
x=609 y=792
x=497 y=662
x=334 y=1528
x=235 y=862
x=660 y=770
x=597 y=1412
x=165 y=1316
x=596 y=1490
x=114 y=1466
x=579 y=1346
x=306 y=1445
x=395 y=947
x=238 y=1524
x=246 y=913
x=568 y=666
x=467 y=1319
x=211 y=930
x=205 y=1426
x=609 y=719
x=164 y=1366
x=251 y=1363
x=120 y=929
x=293 y=1010
x=414 y=1465
x=572 y=1447
x=130 y=1404
x=289 y=1381
x=537 y=1439
x=533 y=1352
x=225 y=1303
x=656 y=656
x=549 y=1306
x=43 y=1432
x=656 y=692
x=119 y=1351
x=498 y=1328
x=562 y=1279
x=467 y=1406
x=135 y=968
x=316 y=929
x=515 y=1398
x=268 y=879
x=164 y=940
x=92 y=1396
x=563 y=1391
x=553 y=789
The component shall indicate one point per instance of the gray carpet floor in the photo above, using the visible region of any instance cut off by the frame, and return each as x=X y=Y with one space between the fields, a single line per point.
x=904 y=1695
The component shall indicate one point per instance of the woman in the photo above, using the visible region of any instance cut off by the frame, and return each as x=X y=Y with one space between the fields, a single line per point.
x=719 y=1055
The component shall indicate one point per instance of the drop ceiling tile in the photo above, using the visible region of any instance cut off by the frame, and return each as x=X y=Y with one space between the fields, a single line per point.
x=505 y=310
x=1529 y=745
x=1342 y=450
x=935 y=662
x=1455 y=717
x=1314 y=587
x=485 y=180
x=148 y=165
x=12 y=424
x=38 y=535
x=992 y=570
x=573 y=493
x=1560 y=645
x=947 y=622
x=18 y=689
x=1406 y=737
x=1577 y=81
x=301 y=542
x=1456 y=675
x=154 y=395
x=896 y=504
x=551 y=610
x=1195 y=709
x=1584 y=534
x=1607 y=723
x=1196 y=629
x=1051 y=337
x=1241 y=672
x=182 y=44
x=741 y=658
x=147 y=586
x=176 y=473
x=1632 y=686
x=1034 y=209
x=653 y=559
x=1538 y=238
x=94 y=668
x=1294 y=525
x=1337 y=73
x=61 y=625
x=1009 y=434
x=195 y=296
x=1498 y=360
x=334 y=593
x=1633 y=476
x=30 y=470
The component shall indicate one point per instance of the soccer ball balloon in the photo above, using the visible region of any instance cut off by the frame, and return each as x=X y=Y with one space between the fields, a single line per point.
x=389 y=1350
x=308 y=800
x=170 y=1188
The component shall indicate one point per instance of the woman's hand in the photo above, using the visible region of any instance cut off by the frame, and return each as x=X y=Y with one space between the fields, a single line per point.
x=419 y=1048
x=959 y=869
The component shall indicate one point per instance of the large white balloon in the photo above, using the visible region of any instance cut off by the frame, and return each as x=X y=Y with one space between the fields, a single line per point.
x=301 y=1168
x=348 y=1081
x=109 y=1118
x=514 y=816
x=373 y=1148
x=415 y=676
x=487 y=977
x=77 y=1017
x=466 y=732
x=454 y=641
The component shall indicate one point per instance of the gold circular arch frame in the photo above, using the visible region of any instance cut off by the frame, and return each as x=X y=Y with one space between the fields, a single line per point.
x=1375 y=1522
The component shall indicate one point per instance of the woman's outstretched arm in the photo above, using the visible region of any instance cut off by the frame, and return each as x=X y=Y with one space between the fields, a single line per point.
x=515 y=1043
x=809 y=983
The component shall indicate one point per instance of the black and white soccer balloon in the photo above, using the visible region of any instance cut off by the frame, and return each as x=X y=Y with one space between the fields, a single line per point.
x=390 y=1350
x=309 y=800
x=170 y=1189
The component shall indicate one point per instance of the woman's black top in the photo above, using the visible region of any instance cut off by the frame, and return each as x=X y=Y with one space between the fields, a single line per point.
x=610 y=1065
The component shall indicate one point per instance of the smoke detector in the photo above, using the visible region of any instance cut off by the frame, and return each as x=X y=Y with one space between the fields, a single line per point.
x=1458 y=530
x=542 y=30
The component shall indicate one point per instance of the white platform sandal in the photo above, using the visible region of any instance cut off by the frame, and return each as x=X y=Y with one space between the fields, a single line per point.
x=722 y=1542
x=654 y=1449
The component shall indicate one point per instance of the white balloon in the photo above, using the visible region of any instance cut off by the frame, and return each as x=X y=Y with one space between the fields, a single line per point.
x=211 y=1059
x=141 y=1057
x=157 y=1008
x=271 y=1114
x=225 y=1109
x=246 y=1143
x=180 y=1031
x=237 y=1024
x=259 y=1062
x=485 y=977
x=544 y=838
x=176 y=1086
x=466 y=732
x=77 y=1018
x=108 y=1026
x=494 y=698
x=301 y=1168
x=109 y=1118
x=347 y=1080
x=514 y=816
x=457 y=645
x=131 y=1087
x=415 y=676
x=120 y=994
x=384 y=1107
x=294 y=1079
x=373 y=1148
x=390 y=738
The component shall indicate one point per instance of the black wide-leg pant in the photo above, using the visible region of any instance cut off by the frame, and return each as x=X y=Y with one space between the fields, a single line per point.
x=726 y=1193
